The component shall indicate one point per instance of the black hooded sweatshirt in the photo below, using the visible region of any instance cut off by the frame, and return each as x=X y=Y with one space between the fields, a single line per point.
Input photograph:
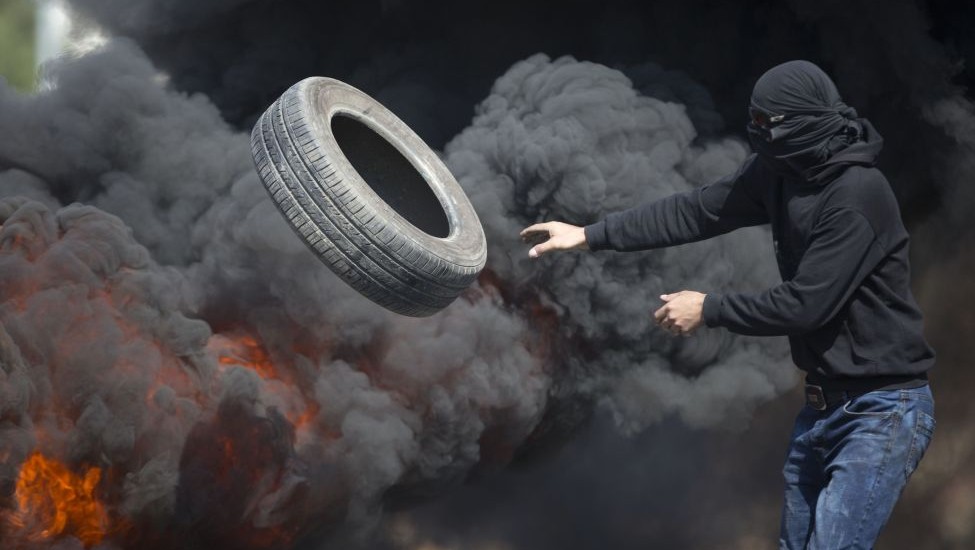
x=842 y=250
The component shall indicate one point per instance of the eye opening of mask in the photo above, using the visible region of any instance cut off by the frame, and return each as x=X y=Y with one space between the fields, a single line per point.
x=764 y=120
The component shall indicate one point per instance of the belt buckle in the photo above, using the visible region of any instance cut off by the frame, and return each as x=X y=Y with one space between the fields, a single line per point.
x=815 y=397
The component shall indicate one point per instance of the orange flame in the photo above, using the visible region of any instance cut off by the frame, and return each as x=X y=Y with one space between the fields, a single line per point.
x=246 y=351
x=241 y=349
x=52 y=500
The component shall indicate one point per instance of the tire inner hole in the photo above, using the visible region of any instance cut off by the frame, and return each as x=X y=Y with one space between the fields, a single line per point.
x=390 y=175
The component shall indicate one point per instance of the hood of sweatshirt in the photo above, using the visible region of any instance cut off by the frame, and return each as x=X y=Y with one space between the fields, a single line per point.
x=801 y=128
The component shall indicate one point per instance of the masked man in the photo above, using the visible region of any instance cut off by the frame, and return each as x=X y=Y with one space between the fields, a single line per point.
x=844 y=302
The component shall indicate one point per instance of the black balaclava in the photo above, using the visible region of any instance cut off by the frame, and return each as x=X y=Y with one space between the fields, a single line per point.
x=816 y=122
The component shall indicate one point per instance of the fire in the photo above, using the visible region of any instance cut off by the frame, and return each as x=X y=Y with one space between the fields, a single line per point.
x=52 y=500
x=246 y=351
x=241 y=349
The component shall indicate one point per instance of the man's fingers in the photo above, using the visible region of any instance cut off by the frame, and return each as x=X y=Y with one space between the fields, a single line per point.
x=671 y=296
x=680 y=313
x=540 y=249
x=534 y=230
x=660 y=315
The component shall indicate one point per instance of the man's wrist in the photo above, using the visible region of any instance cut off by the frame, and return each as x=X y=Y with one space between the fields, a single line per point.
x=595 y=236
x=583 y=242
x=711 y=309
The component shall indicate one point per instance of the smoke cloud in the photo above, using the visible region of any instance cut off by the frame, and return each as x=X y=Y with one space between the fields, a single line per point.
x=573 y=141
x=393 y=402
x=243 y=337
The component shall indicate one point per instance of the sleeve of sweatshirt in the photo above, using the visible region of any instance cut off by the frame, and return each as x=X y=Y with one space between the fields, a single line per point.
x=843 y=250
x=733 y=202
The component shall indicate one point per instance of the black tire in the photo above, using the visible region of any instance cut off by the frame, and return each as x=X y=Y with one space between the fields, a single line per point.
x=411 y=241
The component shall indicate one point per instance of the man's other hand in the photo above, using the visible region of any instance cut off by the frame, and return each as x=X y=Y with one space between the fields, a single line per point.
x=681 y=312
x=555 y=236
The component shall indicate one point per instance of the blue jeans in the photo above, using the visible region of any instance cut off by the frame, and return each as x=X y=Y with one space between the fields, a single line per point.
x=847 y=466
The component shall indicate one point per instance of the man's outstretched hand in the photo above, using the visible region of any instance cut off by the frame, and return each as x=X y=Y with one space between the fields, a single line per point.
x=555 y=236
x=681 y=313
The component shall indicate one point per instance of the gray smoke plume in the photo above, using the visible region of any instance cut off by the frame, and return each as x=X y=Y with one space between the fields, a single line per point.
x=100 y=364
x=370 y=400
x=360 y=400
x=573 y=141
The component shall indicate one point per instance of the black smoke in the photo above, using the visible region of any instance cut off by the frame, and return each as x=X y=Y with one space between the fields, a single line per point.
x=431 y=62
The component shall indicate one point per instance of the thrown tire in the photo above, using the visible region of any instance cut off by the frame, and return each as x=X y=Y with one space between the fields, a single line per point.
x=369 y=197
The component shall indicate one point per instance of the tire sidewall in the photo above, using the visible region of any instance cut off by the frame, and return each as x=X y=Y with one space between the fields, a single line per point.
x=322 y=98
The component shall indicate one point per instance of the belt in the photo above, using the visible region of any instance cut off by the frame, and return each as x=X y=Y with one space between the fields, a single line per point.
x=820 y=399
x=823 y=396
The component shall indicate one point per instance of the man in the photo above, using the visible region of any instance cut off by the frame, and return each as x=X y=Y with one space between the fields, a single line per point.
x=844 y=302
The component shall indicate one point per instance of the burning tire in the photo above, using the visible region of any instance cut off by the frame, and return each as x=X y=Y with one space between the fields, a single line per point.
x=370 y=198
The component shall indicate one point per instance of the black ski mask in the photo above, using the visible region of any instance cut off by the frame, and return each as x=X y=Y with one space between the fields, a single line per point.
x=798 y=120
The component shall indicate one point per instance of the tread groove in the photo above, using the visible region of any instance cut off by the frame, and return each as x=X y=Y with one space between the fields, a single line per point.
x=393 y=266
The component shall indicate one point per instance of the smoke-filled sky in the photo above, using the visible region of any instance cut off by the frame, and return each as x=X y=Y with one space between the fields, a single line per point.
x=160 y=321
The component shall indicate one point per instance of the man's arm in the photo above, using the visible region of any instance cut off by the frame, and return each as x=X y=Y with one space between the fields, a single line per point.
x=698 y=214
x=843 y=250
x=714 y=209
